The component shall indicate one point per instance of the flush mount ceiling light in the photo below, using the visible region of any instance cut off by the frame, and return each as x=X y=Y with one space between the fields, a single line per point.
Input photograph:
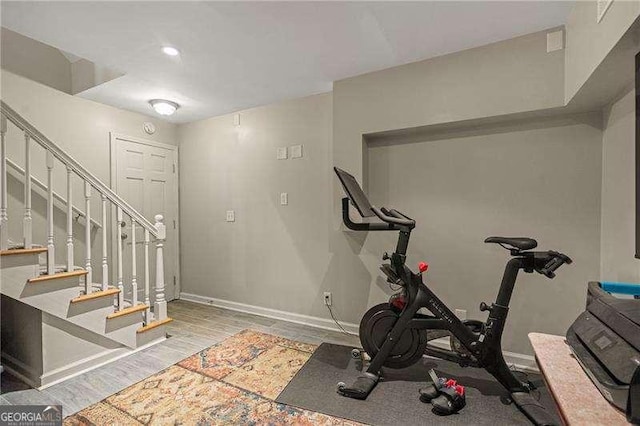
x=171 y=51
x=164 y=107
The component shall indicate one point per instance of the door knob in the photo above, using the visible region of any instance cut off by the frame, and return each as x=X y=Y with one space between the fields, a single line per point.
x=124 y=236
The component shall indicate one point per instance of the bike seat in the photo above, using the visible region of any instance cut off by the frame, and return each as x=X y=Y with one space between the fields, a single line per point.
x=520 y=243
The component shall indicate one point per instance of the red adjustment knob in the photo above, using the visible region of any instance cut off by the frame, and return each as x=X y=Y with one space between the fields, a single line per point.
x=423 y=266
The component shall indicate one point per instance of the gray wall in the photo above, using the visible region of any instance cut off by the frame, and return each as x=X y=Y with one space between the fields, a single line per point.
x=588 y=42
x=618 y=192
x=505 y=78
x=34 y=60
x=286 y=257
x=22 y=337
x=272 y=256
x=526 y=178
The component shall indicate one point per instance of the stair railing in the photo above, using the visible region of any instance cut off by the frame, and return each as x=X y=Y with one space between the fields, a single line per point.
x=60 y=198
x=156 y=230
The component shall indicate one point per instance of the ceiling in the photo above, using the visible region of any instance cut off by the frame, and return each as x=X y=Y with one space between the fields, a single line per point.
x=236 y=55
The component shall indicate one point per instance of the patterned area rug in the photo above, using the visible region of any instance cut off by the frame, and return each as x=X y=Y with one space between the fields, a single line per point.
x=233 y=382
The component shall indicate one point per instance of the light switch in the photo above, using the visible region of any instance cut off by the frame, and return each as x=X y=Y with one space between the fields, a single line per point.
x=236 y=119
x=296 y=151
x=281 y=154
x=284 y=199
x=231 y=216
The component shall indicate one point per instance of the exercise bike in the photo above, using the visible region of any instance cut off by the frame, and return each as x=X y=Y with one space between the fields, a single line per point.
x=397 y=335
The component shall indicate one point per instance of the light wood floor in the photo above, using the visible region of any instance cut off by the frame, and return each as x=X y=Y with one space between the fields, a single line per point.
x=194 y=328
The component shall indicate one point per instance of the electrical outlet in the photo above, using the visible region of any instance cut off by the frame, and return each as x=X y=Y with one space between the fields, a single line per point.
x=231 y=216
x=461 y=313
x=284 y=198
x=327 y=298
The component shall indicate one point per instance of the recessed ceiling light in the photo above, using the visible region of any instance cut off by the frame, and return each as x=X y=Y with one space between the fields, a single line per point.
x=171 y=51
x=164 y=107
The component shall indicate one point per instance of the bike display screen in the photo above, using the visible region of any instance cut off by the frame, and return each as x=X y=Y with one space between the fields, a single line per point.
x=355 y=193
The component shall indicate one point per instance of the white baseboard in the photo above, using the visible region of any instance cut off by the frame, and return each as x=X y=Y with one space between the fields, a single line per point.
x=519 y=361
x=317 y=322
x=80 y=367
x=74 y=369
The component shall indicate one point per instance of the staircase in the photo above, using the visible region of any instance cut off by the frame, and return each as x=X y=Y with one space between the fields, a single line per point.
x=67 y=295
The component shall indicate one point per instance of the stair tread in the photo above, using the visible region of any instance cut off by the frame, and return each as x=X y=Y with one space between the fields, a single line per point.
x=57 y=276
x=154 y=324
x=35 y=250
x=95 y=295
x=127 y=311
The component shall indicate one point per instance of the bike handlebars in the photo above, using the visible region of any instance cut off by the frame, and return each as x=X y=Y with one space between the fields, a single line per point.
x=392 y=220
x=393 y=217
x=363 y=226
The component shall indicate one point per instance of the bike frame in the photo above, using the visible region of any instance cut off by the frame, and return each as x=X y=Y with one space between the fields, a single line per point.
x=485 y=348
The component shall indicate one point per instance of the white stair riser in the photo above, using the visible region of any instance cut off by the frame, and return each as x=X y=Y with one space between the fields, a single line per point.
x=54 y=297
x=44 y=295
x=18 y=268
x=123 y=329
x=90 y=314
x=156 y=334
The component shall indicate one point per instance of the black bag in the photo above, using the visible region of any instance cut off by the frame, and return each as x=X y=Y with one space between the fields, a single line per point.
x=606 y=341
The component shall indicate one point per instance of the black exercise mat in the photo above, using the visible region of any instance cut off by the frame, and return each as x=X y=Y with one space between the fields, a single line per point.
x=396 y=400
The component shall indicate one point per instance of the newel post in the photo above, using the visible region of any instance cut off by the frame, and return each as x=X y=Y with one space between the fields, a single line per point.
x=160 y=306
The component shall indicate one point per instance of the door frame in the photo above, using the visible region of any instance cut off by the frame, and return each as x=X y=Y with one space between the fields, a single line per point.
x=113 y=137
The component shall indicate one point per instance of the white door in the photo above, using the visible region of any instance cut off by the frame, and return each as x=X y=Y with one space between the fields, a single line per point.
x=145 y=175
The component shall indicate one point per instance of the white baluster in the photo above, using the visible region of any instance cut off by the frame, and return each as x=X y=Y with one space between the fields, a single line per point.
x=119 y=239
x=147 y=316
x=160 y=306
x=51 y=257
x=26 y=222
x=69 y=221
x=134 y=278
x=105 y=265
x=4 y=219
x=88 y=279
